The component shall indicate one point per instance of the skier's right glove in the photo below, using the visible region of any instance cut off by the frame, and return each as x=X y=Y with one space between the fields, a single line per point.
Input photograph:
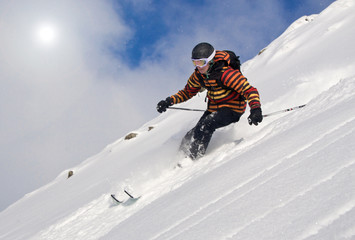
x=164 y=104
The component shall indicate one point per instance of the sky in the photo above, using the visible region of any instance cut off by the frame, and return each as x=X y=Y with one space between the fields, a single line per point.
x=78 y=75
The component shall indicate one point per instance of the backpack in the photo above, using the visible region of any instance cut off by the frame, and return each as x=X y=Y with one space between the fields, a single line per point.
x=234 y=60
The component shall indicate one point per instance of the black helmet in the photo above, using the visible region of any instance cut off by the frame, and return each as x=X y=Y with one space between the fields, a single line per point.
x=202 y=50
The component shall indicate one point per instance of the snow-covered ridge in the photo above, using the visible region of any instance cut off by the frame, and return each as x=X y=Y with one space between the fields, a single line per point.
x=292 y=177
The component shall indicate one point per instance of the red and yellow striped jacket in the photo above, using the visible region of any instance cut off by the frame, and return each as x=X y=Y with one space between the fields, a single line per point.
x=233 y=94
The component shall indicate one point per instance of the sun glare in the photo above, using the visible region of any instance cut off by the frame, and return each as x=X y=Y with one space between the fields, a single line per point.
x=46 y=33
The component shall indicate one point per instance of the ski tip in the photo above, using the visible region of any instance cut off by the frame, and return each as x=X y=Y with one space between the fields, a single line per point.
x=115 y=199
x=131 y=195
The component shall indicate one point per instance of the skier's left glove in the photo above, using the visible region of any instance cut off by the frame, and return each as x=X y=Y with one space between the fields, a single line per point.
x=255 y=116
x=164 y=104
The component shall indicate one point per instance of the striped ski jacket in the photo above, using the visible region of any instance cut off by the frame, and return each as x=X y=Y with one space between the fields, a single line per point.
x=226 y=87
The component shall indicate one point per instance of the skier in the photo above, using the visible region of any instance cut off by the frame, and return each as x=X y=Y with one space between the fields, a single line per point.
x=227 y=92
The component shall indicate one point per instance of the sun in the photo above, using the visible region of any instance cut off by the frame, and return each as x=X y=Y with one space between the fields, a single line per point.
x=46 y=33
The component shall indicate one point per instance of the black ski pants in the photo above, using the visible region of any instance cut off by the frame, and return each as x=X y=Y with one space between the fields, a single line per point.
x=196 y=141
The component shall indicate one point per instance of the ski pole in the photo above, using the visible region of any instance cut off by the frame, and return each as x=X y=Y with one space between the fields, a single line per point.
x=265 y=115
x=285 y=110
x=186 y=109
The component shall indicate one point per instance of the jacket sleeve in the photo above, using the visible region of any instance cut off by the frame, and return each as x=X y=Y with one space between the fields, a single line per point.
x=192 y=87
x=235 y=80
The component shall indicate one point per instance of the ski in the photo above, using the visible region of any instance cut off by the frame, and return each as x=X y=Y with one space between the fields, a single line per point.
x=115 y=199
x=130 y=195
x=132 y=198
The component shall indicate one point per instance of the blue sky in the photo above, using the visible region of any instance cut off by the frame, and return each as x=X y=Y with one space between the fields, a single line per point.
x=152 y=20
x=98 y=68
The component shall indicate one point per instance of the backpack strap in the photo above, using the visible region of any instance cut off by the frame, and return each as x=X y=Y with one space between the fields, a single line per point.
x=201 y=80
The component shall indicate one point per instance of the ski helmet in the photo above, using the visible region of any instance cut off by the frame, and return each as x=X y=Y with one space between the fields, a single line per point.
x=202 y=50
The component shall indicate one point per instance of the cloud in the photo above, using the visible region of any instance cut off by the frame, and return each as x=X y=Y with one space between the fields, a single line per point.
x=59 y=103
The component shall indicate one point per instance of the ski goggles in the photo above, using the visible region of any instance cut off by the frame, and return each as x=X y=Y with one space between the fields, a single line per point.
x=202 y=62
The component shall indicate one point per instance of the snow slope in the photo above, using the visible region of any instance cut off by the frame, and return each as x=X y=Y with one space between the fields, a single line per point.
x=292 y=177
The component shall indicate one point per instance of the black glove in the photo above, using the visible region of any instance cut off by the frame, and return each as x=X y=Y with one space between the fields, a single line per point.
x=164 y=104
x=255 y=116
